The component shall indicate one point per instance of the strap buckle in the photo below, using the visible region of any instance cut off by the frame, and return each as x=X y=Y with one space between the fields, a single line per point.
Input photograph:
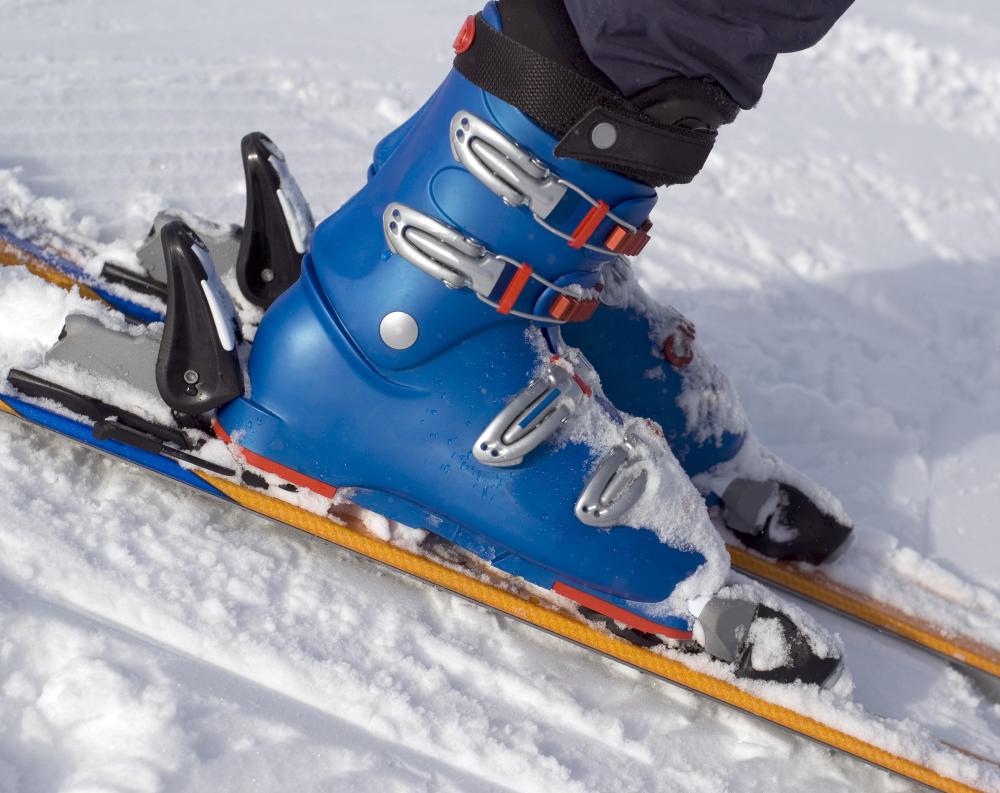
x=615 y=486
x=532 y=416
x=504 y=167
x=460 y=262
x=510 y=172
x=440 y=251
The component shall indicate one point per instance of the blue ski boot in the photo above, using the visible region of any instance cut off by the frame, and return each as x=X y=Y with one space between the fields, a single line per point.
x=417 y=365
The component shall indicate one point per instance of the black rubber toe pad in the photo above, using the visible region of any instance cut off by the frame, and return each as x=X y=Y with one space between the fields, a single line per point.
x=817 y=536
x=803 y=664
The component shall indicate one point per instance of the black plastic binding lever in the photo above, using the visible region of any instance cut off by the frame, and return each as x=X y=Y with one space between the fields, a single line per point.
x=33 y=386
x=110 y=430
x=197 y=368
x=277 y=227
x=138 y=282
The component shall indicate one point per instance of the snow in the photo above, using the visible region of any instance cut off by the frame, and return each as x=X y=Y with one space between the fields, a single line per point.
x=840 y=257
x=769 y=650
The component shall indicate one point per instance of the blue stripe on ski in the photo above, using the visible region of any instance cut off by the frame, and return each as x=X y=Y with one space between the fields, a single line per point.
x=77 y=273
x=82 y=432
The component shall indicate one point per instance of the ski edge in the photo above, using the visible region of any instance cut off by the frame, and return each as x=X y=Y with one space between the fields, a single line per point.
x=819 y=588
x=562 y=625
x=538 y=615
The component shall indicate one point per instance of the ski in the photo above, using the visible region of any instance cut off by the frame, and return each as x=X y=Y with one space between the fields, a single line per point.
x=927 y=623
x=62 y=267
x=817 y=586
x=840 y=726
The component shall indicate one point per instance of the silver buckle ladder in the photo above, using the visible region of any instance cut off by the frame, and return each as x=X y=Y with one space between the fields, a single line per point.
x=459 y=262
x=532 y=416
x=615 y=486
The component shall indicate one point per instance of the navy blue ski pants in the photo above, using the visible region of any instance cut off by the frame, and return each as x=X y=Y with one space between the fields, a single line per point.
x=638 y=43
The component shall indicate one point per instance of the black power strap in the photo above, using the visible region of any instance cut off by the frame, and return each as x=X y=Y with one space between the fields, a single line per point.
x=593 y=124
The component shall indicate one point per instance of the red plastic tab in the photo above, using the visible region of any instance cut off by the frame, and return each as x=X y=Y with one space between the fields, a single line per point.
x=465 y=36
x=678 y=347
x=617 y=613
x=617 y=238
x=567 y=309
x=514 y=288
x=289 y=475
x=589 y=224
x=628 y=243
x=582 y=384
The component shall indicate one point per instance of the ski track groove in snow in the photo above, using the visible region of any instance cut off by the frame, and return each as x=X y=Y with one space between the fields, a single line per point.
x=840 y=256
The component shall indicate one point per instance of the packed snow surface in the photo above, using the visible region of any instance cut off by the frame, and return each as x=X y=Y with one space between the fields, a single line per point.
x=840 y=256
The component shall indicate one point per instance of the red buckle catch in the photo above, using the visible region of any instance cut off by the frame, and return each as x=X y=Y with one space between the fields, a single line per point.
x=628 y=243
x=581 y=383
x=465 y=36
x=568 y=309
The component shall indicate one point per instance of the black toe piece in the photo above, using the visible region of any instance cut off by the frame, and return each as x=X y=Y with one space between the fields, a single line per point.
x=801 y=663
x=796 y=531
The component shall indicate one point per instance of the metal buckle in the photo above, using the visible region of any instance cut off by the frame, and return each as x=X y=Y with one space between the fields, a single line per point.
x=518 y=178
x=530 y=417
x=458 y=261
x=614 y=487
x=503 y=166
x=441 y=251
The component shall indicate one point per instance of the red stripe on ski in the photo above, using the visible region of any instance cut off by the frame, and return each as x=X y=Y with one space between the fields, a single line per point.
x=618 y=613
x=271 y=467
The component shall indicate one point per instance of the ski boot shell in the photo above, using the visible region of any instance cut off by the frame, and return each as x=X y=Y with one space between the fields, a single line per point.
x=371 y=374
x=645 y=354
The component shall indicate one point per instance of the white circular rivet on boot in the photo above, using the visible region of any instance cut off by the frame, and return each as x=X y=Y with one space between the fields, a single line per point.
x=604 y=135
x=399 y=330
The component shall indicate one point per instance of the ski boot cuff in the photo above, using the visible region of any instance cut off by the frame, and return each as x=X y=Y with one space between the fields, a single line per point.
x=661 y=137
